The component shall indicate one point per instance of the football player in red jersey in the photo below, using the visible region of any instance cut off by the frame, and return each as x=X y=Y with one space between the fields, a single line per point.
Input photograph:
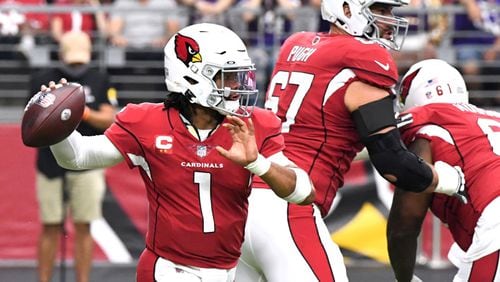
x=333 y=93
x=440 y=124
x=196 y=153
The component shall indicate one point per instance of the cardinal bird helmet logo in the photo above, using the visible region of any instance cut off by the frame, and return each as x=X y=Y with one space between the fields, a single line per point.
x=187 y=49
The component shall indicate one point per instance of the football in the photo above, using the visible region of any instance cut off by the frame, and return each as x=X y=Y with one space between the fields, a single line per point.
x=51 y=116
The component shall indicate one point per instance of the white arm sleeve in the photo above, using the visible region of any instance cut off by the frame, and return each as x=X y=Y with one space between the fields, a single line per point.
x=79 y=152
x=303 y=184
x=281 y=159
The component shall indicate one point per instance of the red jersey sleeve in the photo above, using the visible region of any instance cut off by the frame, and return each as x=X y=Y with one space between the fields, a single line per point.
x=120 y=132
x=268 y=132
x=371 y=63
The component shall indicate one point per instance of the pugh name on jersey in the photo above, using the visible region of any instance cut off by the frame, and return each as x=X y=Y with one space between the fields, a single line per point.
x=300 y=53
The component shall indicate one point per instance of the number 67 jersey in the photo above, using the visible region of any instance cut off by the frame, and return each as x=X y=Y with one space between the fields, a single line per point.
x=466 y=136
x=307 y=92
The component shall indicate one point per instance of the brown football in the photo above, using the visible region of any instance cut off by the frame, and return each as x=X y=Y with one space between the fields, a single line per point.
x=49 y=117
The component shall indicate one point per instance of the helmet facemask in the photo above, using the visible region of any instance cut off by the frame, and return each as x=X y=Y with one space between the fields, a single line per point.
x=362 y=22
x=399 y=26
x=236 y=93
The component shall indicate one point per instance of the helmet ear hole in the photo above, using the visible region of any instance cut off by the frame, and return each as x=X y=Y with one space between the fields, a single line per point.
x=191 y=80
x=347 y=9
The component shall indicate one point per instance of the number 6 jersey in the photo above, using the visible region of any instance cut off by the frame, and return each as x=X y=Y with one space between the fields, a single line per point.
x=466 y=136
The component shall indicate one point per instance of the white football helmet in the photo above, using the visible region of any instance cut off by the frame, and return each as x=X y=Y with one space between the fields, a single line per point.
x=363 y=23
x=432 y=81
x=200 y=54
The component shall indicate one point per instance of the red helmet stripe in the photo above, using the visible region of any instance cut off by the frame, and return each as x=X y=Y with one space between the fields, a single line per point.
x=405 y=85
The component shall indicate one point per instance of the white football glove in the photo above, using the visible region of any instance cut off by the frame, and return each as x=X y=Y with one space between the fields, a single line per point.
x=451 y=181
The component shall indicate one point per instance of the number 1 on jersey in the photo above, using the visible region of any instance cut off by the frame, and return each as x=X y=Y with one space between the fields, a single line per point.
x=203 y=179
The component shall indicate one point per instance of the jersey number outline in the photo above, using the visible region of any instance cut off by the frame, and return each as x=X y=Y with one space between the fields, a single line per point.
x=283 y=78
x=486 y=126
x=203 y=179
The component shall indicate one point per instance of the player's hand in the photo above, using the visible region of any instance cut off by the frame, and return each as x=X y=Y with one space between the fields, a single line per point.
x=44 y=89
x=53 y=85
x=451 y=181
x=244 y=149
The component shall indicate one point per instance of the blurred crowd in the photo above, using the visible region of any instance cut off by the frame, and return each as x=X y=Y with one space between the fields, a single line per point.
x=463 y=32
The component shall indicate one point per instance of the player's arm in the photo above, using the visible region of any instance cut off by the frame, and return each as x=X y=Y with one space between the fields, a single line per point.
x=79 y=152
x=372 y=111
x=288 y=182
x=405 y=220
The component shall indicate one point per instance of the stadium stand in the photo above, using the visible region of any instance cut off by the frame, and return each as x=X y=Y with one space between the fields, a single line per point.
x=139 y=79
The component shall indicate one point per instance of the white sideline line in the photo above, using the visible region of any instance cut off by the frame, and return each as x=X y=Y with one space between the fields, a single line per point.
x=108 y=241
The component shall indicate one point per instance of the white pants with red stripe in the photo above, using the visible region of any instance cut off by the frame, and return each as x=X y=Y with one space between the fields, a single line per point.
x=286 y=242
x=481 y=262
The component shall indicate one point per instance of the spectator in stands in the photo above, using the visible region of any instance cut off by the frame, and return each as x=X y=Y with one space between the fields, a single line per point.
x=143 y=23
x=76 y=20
x=58 y=189
x=323 y=26
x=24 y=29
x=477 y=41
x=425 y=33
x=212 y=11
x=265 y=25
x=275 y=19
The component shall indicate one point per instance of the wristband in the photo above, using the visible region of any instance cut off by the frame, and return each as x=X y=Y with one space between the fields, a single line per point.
x=260 y=166
x=86 y=113
x=302 y=189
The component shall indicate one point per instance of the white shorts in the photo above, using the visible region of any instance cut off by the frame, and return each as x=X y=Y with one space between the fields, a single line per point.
x=481 y=262
x=85 y=190
x=286 y=242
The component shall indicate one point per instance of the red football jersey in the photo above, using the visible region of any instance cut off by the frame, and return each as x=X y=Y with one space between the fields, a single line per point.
x=307 y=91
x=466 y=136
x=197 y=198
x=75 y=21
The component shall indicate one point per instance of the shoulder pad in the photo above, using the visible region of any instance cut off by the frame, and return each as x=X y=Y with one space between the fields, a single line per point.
x=371 y=63
x=133 y=113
